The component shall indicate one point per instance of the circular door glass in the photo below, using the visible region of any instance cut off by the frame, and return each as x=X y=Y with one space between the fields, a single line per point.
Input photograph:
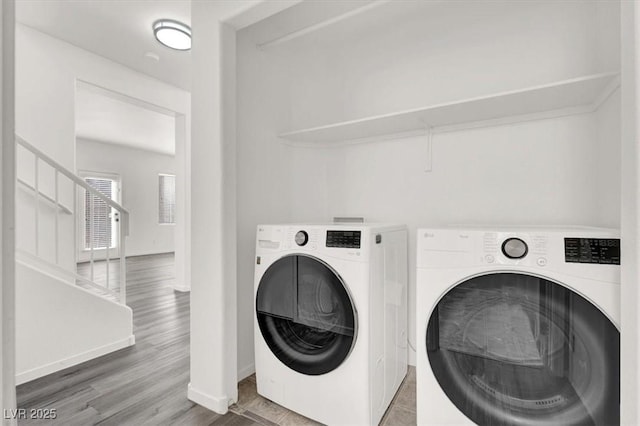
x=513 y=349
x=305 y=314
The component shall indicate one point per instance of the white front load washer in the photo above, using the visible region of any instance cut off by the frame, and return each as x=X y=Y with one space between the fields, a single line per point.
x=518 y=326
x=330 y=319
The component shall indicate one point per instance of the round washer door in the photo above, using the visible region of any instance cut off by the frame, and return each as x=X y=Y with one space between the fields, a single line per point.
x=305 y=314
x=511 y=348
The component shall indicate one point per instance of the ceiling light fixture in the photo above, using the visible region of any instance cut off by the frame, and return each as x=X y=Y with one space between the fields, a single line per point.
x=173 y=34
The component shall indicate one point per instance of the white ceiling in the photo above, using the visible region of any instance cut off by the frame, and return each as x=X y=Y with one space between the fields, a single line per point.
x=119 y=30
x=112 y=118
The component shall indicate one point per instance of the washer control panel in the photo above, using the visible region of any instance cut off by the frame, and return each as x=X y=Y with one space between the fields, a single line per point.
x=301 y=238
x=526 y=249
x=343 y=239
x=564 y=251
x=592 y=250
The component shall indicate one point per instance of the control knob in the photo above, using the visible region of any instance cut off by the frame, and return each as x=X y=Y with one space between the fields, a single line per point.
x=301 y=238
x=514 y=248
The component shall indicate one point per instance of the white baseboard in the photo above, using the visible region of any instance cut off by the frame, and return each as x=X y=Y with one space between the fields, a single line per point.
x=38 y=372
x=245 y=372
x=219 y=405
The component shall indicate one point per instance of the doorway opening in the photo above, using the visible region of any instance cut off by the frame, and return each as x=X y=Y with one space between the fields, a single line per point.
x=98 y=223
x=133 y=152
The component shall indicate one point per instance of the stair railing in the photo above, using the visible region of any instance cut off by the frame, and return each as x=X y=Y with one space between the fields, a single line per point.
x=40 y=197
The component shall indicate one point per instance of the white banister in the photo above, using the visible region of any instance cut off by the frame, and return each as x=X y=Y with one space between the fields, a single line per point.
x=123 y=266
x=77 y=180
x=107 y=254
x=119 y=214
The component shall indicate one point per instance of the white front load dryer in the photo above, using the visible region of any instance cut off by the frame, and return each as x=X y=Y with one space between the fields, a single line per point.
x=330 y=319
x=518 y=326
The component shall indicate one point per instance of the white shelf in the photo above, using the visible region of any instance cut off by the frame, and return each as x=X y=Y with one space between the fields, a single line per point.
x=578 y=95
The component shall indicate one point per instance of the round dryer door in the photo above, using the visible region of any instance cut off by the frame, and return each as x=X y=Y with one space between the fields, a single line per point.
x=513 y=349
x=305 y=314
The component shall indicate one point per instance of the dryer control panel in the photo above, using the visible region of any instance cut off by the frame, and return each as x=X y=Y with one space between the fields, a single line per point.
x=343 y=239
x=592 y=250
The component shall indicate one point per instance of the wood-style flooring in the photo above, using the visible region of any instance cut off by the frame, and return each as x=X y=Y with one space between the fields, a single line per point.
x=146 y=384
x=401 y=412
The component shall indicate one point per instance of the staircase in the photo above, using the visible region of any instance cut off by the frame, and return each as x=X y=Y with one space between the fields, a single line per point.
x=66 y=312
x=52 y=196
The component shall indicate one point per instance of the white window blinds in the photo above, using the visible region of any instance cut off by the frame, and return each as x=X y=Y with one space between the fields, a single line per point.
x=98 y=229
x=167 y=197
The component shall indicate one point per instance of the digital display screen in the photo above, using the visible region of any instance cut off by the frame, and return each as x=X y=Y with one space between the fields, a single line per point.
x=343 y=239
x=592 y=250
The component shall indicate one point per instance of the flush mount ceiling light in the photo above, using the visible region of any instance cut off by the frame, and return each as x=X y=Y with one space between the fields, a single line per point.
x=173 y=34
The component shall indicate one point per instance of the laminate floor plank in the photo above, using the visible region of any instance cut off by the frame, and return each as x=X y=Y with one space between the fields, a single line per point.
x=88 y=416
x=141 y=403
x=140 y=372
x=72 y=407
x=171 y=409
x=67 y=381
x=194 y=415
x=232 y=419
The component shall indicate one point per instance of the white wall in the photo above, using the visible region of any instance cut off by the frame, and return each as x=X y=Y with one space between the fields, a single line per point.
x=138 y=171
x=263 y=185
x=46 y=73
x=59 y=325
x=608 y=180
x=182 y=236
x=538 y=172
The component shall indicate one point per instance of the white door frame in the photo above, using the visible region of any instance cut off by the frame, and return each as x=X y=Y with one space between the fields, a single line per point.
x=8 y=211
x=214 y=371
x=630 y=209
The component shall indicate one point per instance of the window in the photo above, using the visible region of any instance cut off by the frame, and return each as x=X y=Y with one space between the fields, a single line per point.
x=99 y=229
x=167 y=199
